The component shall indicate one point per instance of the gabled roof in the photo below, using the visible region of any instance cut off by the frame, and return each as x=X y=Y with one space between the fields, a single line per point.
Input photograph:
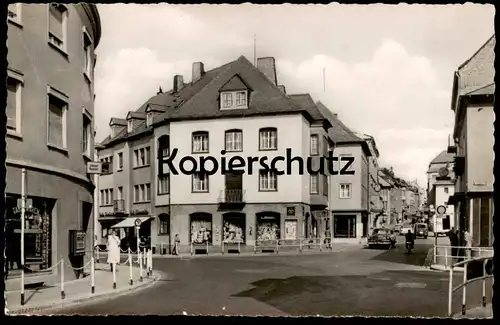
x=443 y=158
x=339 y=133
x=136 y=115
x=117 y=121
x=235 y=83
x=477 y=52
x=486 y=90
x=306 y=101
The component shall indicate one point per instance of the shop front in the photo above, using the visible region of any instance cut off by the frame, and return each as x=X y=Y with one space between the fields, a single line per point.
x=268 y=226
x=37 y=234
x=234 y=225
x=201 y=228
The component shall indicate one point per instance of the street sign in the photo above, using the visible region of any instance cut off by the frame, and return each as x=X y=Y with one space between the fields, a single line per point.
x=94 y=167
x=137 y=222
x=441 y=209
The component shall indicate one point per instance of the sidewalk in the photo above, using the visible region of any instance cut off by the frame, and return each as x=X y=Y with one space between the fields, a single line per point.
x=478 y=312
x=78 y=291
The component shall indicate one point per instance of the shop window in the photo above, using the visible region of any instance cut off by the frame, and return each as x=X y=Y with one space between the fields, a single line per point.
x=268 y=226
x=201 y=229
x=344 y=226
x=234 y=228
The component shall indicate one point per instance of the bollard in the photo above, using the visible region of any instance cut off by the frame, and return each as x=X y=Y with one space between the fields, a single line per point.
x=484 y=283
x=149 y=257
x=239 y=248
x=464 y=289
x=131 y=281
x=255 y=247
x=207 y=247
x=145 y=256
x=97 y=252
x=113 y=265
x=450 y=291
x=92 y=275
x=151 y=265
x=191 y=248
x=140 y=267
x=63 y=295
x=320 y=248
x=300 y=245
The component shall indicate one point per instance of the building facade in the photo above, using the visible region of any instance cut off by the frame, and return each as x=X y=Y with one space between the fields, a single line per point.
x=472 y=103
x=236 y=110
x=50 y=129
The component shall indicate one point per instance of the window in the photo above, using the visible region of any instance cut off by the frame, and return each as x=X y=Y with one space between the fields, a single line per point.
x=314 y=145
x=200 y=182
x=343 y=163
x=57 y=121
x=163 y=146
x=86 y=135
x=241 y=98
x=107 y=165
x=345 y=191
x=14 y=13
x=268 y=181
x=58 y=16
x=149 y=119
x=142 y=193
x=446 y=190
x=163 y=184
x=234 y=140
x=130 y=126
x=268 y=139
x=163 y=220
x=344 y=226
x=142 y=157
x=87 y=50
x=120 y=193
x=200 y=142
x=120 y=161
x=14 y=102
x=314 y=184
x=326 y=146
x=227 y=100
x=107 y=197
x=325 y=185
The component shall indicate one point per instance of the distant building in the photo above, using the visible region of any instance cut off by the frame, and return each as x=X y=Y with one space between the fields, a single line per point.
x=472 y=103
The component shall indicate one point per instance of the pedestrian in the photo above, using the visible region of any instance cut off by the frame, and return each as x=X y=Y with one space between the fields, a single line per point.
x=461 y=244
x=177 y=242
x=453 y=243
x=468 y=243
x=113 y=247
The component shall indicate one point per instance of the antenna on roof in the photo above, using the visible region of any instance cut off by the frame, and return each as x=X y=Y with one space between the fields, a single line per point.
x=324 y=80
x=254 y=49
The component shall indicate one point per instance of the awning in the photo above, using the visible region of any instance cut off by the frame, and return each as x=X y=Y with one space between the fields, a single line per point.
x=455 y=198
x=130 y=222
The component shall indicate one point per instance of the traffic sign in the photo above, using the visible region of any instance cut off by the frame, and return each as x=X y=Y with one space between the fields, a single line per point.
x=94 y=167
x=137 y=222
x=443 y=172
x=441 y=209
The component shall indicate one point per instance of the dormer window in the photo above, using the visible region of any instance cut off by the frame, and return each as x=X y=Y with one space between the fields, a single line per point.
x=130 y=126
x=227 y=100
x=149 y=119
x=234 y=99
x=241 y=98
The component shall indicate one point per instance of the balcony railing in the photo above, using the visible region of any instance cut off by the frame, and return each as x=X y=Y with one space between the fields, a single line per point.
x=119 y=206
x=232 y=196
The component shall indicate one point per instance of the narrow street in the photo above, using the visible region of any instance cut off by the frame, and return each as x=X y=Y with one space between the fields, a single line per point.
x=353 y=282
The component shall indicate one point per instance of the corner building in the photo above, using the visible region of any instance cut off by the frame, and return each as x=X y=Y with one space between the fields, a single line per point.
x=50 y=118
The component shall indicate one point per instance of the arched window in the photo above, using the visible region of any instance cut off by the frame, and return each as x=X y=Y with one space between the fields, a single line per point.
x=163 y=146
x=200 y=142
x=268 y=139
x=234 y=140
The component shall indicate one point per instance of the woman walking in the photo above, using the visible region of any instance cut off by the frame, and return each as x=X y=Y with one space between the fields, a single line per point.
x=113 y=246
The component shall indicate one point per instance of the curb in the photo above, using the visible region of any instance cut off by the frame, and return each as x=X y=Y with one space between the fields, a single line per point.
x=441 y=268
x=157 y=275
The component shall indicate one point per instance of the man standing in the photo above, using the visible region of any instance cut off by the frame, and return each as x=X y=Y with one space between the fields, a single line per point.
x=453 y=243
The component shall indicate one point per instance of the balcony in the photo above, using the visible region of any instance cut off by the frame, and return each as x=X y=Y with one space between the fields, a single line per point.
x=232 y=196
x=119 y=206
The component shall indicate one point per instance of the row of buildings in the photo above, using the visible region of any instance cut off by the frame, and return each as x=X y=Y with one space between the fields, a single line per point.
x=465 y=184
x=240 y=109
x=49 y=132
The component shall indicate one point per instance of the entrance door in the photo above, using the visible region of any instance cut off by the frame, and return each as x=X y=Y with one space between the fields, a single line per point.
x=290 y=229
x=234 y=187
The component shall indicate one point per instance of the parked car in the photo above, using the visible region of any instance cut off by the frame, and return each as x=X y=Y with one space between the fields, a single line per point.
x=405 y=228
x=382 y=237
x=421 y=230
x=397 y=228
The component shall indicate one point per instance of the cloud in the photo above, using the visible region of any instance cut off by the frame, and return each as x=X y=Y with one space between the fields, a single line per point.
x=395 y=97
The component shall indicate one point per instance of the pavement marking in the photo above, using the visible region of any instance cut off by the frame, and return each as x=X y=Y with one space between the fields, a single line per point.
x=379 y=278
x=411 y=285
x=252 y=270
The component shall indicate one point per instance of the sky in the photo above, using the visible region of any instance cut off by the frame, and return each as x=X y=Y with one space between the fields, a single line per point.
x=388 y=69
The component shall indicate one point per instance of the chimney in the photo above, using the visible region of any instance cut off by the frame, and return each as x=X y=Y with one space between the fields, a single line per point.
x=282 y=88
x=178 y=83
x=268 y=67
x=198 y=71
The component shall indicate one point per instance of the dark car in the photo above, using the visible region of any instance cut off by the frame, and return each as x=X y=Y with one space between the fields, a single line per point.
x=382 y=237
x=421 y=230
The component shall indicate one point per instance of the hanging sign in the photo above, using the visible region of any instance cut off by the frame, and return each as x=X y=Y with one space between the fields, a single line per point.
x=94 y=167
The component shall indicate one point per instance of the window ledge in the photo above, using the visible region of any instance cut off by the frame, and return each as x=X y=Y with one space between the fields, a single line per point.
x=15 y=22
x=57 y=148
x=106 y=205
x=87 y=77
x=142 y=202
x=104 y=174
x=161 y=194
x=261 y=190
x=143 y=166
x=200 y=192
x=119 y=170
x=60 y=50
x=270 y=149
x=15 y=134
x=199 y=152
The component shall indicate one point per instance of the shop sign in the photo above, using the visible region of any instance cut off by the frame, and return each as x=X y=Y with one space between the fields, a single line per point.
x=290 y=211
x=94 y=167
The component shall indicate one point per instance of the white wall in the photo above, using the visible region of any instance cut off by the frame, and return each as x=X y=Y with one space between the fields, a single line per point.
x=480 y=155
x=442 y=199
x=159 y=199
x=293 y=133
x=354 y=203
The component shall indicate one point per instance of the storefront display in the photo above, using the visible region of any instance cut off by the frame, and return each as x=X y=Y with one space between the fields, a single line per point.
x=234 y=230
x=290 y=229
x=201 y=231
x=268 y=228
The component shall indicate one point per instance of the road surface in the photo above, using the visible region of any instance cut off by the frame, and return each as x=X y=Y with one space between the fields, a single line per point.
x=353 y=282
